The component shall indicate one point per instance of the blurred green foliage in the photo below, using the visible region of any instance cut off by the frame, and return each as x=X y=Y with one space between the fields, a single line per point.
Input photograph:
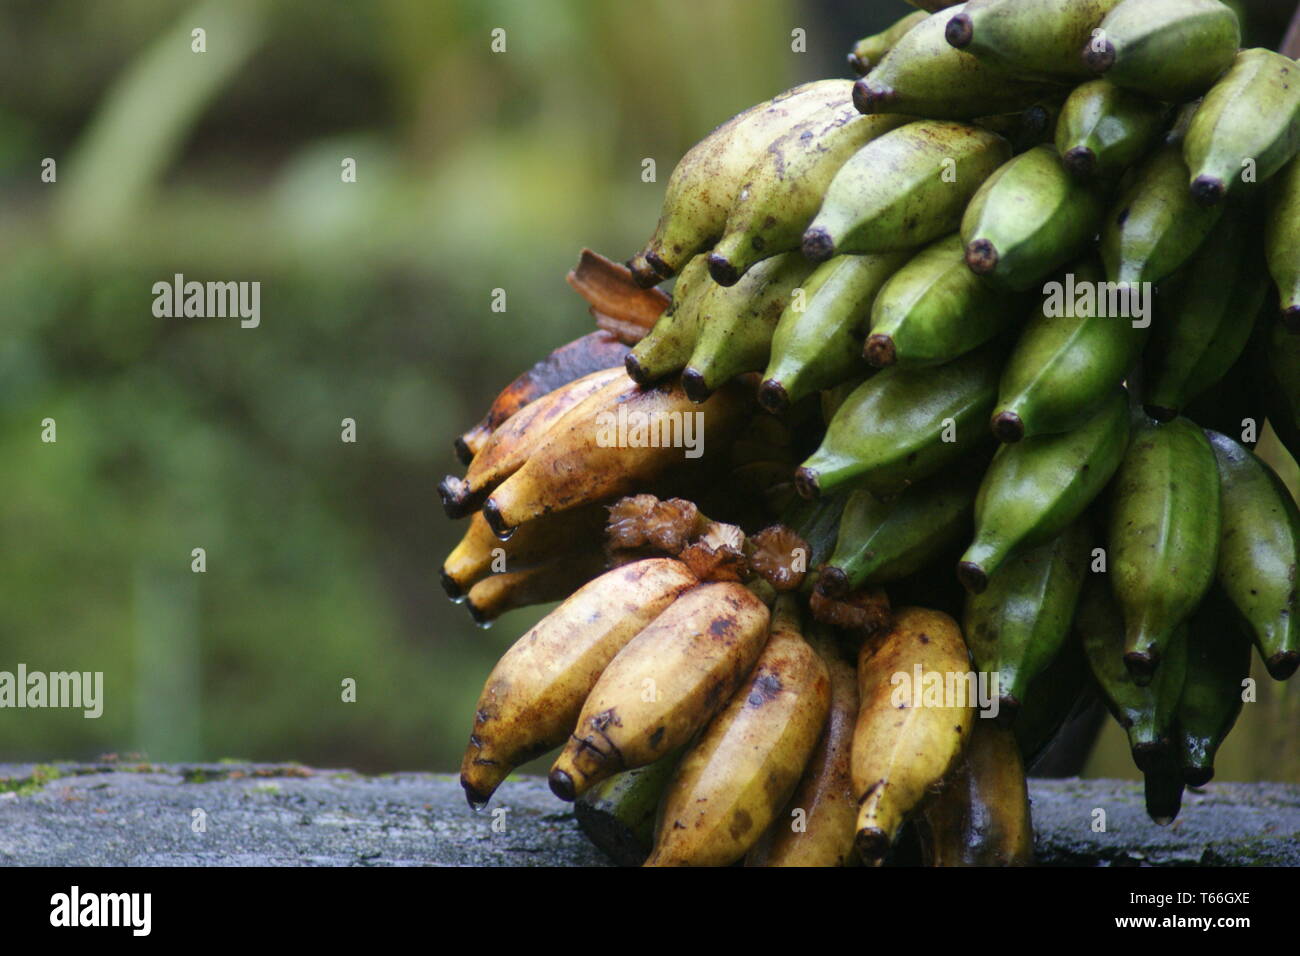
x=475 y=171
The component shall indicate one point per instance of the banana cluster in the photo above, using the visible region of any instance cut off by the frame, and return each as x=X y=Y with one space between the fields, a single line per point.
x=986 y=336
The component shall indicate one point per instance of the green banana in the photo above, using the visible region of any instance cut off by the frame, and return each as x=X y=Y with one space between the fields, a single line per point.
x=1218 y=664
x=1036 y=488
x=1163 y=540
x=1104 y=129
x=703 y=186
x=1028 y=219
x=904 y=189
x=1259 y=552
x=1209 y=320
x=1018 y=625
x=1172 y=50
x=935 y=309
x=1247 y=127
x=903 y=425
x=1156 y=225
x=1145 y=712
x=1072 y=353
x=783 y=189
x=818 y=339
x=870 y=50
x=618 y=814
x=885 y=540
x=1282 y=241
x=925 y=76
x=1163 y=789
x=737 y=324
x=1230 y=404
x=1029 y=38
x=667 y=347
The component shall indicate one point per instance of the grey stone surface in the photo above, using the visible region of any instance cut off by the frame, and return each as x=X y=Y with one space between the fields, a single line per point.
x=285 y=815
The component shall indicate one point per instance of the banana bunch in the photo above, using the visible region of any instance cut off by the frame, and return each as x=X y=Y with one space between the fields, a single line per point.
x=966 y=360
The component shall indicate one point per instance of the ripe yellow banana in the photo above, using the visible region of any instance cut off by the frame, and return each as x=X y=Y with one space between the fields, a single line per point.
x=614 y=443
x=516 y=439
x=736 y=778
x=981 y=816
x=907 y=737
x=497 y=593
x=533 y=696
x=664 y=685
x=820 y=821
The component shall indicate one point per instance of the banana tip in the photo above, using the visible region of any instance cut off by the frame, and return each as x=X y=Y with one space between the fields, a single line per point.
x=1283 y=664
x=818 y=246
x=1008 y=427
x=1148 y=754
x=1197 y=776
x=858 y=65
x=482 y=616
x=662 y=269
x=808 y=483
x=562 y=786
x=1080 y=162
x=492 y=514
x=722 y=271
x=981 y=256
x=773 y=397
x=872 y=845
x=872 y=99
x=1099 y=57
x=1161 y=413
x=455 y=496
x=464 y=454
x=1141 y=666
x=1208 y=190
x=636 y=371
x=972 y=577
x=476 y=798
x=880 y=351
x=695 y=386
x=832 y=582
x=450 y=585
x=644 y=272
x=960 y=31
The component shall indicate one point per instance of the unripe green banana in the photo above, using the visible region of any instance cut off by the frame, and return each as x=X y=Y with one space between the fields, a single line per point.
x=1163 y=541
x=1069 y=358
x=1172 y=50
x=618 y=814
x=869 y=51
x=1036 y=488
x=1259 y=553
x=1208 y=319
x=668 y=346
x=1231 y=404
x=925 y=76
x=1104 y=129
x=1036 y=39
x=1145 y=712
x=901 y=426
x=818 y=339
x=703 y=187
x=904 y=189
x=1282 y=241
x=1163 y=788
x=935 y=309
x=885 y=540
x=737 y=323
x=1028 y=219
x=1155 y=226
x=1218 y=665
x=784 y=188
x=1247 y=127
x=1019 y=624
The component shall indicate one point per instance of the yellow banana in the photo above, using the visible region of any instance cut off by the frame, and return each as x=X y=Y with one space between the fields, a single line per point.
x=820 y=821
x=540 y=584
x=738 y=775
x=533 y=696
x=907 y=736
x=516 y=439
x=664 y=685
